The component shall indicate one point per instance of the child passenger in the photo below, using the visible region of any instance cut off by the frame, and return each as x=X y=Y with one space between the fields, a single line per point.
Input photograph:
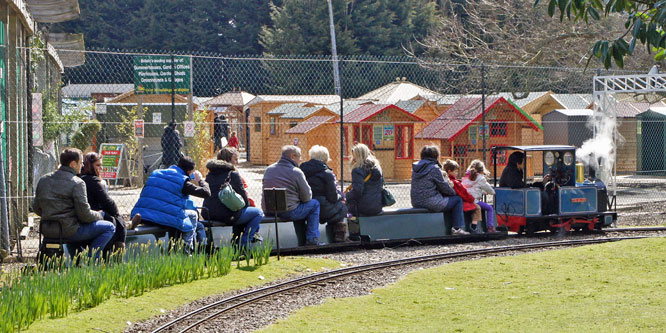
x=476 y=184
x=451 y=168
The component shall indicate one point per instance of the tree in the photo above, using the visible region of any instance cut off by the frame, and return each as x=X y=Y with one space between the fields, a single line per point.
x=644 y=22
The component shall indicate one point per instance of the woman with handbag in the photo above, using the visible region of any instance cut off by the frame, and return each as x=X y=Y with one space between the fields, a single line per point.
x=365 y=196
x=225 y=202
x=99 y=199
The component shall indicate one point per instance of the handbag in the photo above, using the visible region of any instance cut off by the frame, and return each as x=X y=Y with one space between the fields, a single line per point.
x=387 y=198
x=229 y=197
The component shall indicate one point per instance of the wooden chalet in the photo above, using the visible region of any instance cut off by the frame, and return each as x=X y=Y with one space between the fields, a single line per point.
x=231 y=104
x=458 y=132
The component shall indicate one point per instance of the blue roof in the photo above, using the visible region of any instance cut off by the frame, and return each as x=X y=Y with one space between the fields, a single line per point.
x=536 y=148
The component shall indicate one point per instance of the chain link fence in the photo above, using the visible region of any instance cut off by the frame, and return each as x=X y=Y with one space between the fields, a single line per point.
x=120 y=104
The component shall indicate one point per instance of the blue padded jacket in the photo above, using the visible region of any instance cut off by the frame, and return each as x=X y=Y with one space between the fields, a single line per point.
x=162 y=200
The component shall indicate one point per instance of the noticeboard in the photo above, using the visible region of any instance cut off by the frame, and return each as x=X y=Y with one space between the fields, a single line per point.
x=389 y=132
x=138 y=128
x=112 y=154
x=153 y=74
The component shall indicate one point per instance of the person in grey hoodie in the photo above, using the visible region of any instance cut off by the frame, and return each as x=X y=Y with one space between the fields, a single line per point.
x=300 y=206
x=430 y=190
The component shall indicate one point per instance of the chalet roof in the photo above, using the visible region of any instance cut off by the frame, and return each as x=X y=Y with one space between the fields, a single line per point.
x=573 y=101
x=397 y=91
x=460 y=115
x=86 y=90
x=661 y=110
x=531 y=96
x=309 y=125
x=129 y=97
x=231 y=98
x=410 y=106
x=349 y=105
x=364 y=112
x=314 y=99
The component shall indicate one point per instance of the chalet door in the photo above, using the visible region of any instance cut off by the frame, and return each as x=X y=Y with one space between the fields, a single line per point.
x=387 y=161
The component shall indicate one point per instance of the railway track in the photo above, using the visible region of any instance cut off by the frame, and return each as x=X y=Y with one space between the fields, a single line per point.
x=198 y=317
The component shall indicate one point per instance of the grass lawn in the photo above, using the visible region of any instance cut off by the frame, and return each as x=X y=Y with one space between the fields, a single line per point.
x=600 y=288
x=113 y=315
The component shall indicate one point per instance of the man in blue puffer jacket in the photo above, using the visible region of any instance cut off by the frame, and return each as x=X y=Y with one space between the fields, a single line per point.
x=165 y=200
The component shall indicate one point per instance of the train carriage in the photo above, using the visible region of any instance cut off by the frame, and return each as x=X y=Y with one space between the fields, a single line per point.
x=561 y=203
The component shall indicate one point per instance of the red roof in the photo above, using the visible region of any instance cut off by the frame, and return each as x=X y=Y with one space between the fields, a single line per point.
x=461 y=114
x=366 y=111
x=309 y=124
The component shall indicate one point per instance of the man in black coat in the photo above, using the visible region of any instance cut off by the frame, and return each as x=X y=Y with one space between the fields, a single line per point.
x=220 y=130
x=323 y=183
x=171 y=145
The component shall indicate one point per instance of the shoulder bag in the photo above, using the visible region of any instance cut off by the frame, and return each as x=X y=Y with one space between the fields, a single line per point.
x=229 y=197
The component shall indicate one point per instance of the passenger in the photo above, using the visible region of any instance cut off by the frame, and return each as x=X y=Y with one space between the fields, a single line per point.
x=221 y=171
x=451 y=167
x=430 y=190
x=476 y=184
x=300 y=206
x=61 y=197
x=323 y=183
x=365 y=196
x=165 y=201
x=99 y=199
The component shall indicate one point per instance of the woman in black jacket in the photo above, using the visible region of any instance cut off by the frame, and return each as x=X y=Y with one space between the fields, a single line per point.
x=99 y=200
x=323 y=183
x=365 y=196
x=246 y=220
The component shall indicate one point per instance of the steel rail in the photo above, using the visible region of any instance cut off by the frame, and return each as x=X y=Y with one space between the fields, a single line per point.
x=261 y=293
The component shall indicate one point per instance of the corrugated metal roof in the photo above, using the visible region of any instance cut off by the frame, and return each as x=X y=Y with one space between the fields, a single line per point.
x=531 y=96
x=397 y=91
x=232 y=98
x=309 y=125
x=86 y=90
x=314 y=99
x=574 y=112
x=349 y=105
x=366 y=111
x=285 y=108
x=410 y=106
x=461 y=114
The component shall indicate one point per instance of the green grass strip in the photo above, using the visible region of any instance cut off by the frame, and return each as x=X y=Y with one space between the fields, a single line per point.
x=113 y=315
x=609 y=287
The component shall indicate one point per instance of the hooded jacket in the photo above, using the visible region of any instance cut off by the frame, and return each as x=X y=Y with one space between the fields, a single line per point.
x=322 y=181
x=429 y=188
x=218 y=171
x=162 y=200
x=478 y=186
x=461 y=191
x=286 y=174
x=171 y=145
x=512 y=176
x=365 y=198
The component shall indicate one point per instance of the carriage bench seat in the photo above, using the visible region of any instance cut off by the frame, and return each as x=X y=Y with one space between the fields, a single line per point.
x=402 y=223
x=146 y=234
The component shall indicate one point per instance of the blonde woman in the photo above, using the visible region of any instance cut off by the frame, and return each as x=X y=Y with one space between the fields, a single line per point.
x=323 y=183
x=365 y=196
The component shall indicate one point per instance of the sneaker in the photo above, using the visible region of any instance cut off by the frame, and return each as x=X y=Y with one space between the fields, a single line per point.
x=314 y=242
x=476 y=229
x=491 y=229
x=256 y=238
x=459 y=231
x=136 y=220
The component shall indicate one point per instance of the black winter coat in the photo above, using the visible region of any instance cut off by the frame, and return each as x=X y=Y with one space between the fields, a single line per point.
x=512 y=176
x=97 y=196
x=218 y=171
x=171 y=145
x=321 y=179
x=365 y=198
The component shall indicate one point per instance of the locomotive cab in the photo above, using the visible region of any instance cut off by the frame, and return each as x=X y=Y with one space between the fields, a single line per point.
x=559 y=202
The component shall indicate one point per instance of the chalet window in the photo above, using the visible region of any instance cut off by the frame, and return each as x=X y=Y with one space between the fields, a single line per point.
x=460 y=151
x=501 y=158
x=404 y=142
x=357 y=134
x=257 y=124
x=273 y=126
x=498 y=128
x=366 y=135
x=293 y=124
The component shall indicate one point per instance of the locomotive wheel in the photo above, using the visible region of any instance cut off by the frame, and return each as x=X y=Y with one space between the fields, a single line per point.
x=530 y=229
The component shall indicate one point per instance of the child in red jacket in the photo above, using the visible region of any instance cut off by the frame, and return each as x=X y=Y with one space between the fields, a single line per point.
x=451 y=168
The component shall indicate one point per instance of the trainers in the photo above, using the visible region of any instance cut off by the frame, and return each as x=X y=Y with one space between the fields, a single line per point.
x=136 y=220
x=459 y=231
x=256 y=238
x=314 y=241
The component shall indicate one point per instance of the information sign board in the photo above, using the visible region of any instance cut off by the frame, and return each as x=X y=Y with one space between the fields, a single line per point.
x=189 y=129
x=153 y=74
x=389 y=132
x=112 y=154
x=157 y=117
x=138 y=128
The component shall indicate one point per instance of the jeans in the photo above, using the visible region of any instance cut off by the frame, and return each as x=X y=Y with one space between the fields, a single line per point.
x=100 y=232
x=306 y=211
x=251 y=217
x=490 y=213
x=198 y=228
x=454 y=205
